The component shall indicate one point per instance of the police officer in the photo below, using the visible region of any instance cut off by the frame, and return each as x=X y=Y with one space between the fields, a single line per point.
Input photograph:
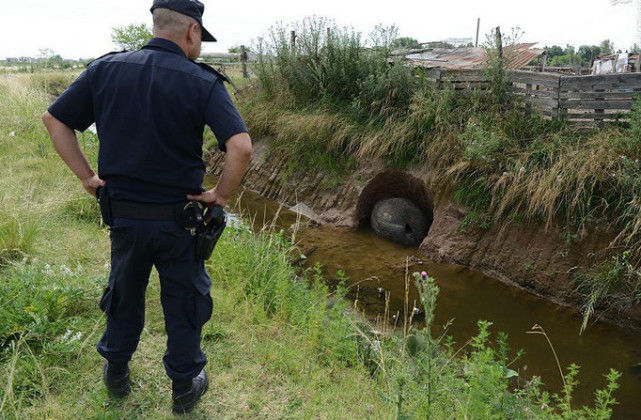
x=150 y=108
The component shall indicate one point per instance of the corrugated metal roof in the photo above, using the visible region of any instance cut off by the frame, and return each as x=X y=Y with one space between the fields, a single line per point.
x=519 y=56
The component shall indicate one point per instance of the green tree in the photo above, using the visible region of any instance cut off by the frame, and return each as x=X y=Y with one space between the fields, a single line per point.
x=554 y=51
x=588 y=53
x=607 y=46
x=405 y=42
x=236 y=49
x=131 y=37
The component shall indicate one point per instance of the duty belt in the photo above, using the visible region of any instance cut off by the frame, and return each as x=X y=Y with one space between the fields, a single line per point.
x=145 y=211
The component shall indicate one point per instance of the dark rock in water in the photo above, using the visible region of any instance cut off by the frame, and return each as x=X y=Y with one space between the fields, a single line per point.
x=400 y=220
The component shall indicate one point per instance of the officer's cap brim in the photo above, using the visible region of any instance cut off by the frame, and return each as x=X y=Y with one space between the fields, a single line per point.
x=207 y=37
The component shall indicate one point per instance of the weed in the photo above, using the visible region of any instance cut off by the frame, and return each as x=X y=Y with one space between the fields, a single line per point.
x=616 y=279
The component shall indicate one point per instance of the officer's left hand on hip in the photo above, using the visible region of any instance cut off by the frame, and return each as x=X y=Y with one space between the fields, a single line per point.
x=210 y=198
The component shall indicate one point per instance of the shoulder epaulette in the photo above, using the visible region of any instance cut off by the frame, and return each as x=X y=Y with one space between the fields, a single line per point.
x=210 y=69
x=106 y=55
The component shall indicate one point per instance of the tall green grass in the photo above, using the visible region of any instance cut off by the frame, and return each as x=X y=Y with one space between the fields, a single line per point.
x=16 y=238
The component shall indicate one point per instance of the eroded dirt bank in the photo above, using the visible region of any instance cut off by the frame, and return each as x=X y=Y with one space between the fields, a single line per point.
x=531 y=257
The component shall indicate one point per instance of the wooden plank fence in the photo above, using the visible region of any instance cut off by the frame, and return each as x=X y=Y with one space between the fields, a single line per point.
x=579 y=99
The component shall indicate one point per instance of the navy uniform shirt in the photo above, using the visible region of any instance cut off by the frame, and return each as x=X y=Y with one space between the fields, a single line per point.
x=150 y=108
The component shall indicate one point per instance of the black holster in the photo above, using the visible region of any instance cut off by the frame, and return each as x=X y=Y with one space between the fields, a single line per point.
x=104 y=201
x=209 y=234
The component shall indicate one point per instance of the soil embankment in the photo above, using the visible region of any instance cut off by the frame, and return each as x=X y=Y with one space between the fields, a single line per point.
x=539 y=259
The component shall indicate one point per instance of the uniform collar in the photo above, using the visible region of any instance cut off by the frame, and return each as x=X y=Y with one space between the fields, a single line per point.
x=165 y=44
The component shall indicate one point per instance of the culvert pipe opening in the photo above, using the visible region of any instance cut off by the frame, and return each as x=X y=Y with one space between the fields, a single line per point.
x=400 y=220
x=398 y=208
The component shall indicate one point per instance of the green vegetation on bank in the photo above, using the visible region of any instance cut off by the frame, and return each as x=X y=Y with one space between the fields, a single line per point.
x=330 y=103
x=280 y=344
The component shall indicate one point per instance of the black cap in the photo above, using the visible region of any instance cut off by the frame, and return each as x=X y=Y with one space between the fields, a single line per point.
x=191 y=8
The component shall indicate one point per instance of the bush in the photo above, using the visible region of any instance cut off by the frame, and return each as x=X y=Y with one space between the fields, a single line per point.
x=333 y=69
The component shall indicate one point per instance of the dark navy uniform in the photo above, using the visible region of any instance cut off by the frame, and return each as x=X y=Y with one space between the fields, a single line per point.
x=150 y=108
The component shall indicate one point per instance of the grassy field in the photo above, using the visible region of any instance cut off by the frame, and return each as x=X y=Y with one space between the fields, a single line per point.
x=280 y=344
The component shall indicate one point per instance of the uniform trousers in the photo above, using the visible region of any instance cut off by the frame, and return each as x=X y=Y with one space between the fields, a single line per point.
x=136 y=246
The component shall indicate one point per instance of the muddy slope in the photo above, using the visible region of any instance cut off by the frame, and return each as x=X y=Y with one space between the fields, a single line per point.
x=531 y=257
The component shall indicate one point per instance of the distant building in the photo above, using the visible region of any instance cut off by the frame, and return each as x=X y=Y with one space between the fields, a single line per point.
x=615 y=63
x=458 y=42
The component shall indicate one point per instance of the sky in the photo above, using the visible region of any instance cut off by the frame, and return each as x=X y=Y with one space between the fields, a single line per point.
x=82 y=28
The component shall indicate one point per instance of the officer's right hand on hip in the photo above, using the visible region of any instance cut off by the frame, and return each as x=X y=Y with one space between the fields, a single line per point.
x=92 y=183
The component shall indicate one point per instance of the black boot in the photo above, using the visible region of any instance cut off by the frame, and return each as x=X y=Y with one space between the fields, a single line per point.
x=116 y=377
x=187 y=392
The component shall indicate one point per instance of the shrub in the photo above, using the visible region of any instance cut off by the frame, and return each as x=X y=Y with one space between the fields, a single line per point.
x=333 y=68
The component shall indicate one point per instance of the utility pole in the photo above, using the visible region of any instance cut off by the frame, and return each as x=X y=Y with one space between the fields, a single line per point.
x=292 y=41
x=499 y=43
x=243 y=60
x=478 y=26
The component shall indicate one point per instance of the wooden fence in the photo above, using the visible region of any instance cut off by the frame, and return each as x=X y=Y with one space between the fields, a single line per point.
x=579 y=99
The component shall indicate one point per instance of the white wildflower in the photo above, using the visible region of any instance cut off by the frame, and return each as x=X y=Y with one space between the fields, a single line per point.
x=70 y=337
x=106 y=266
x=12 y=134
x=79 y=269
x=64 y=270
x=48 y=271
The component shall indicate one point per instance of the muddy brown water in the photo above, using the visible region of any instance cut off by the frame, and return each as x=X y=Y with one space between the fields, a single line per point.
x=465 y=297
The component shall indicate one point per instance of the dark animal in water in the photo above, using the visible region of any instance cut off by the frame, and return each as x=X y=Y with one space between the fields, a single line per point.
x=400 y=220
